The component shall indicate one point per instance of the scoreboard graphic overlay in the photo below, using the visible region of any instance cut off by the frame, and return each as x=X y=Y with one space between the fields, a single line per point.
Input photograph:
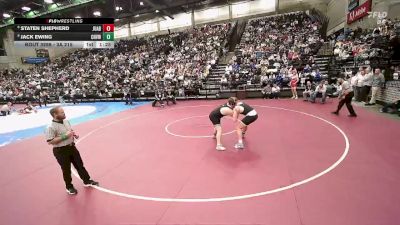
x=64 y=33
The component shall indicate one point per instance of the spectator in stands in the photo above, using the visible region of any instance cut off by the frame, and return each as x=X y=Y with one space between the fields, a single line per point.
x=307 y=69
x=272 y=43
x=396 y=73
x=181 y=92
x=224 y=82
x=309 y=89
x=317 y=76
x=378 y=80
x=267 y=91
x=44 y=96
x=330 y=90
x=275 y=91
x=61 y=97
x=170 y=96
x=72 y=94
x=228 y=69
x=159 y=97
x=6 y=109
x=177 y=57
x=320 y=91
x=128 y=96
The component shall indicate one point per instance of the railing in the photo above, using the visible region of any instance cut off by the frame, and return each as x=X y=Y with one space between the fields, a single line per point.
x=96 y=98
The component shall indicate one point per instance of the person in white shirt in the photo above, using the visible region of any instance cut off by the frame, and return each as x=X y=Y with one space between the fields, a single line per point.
x=308 y=92
x=275 y=91
x=224 y=82
x=378 y=80
x=359 y=84
x=367 y=85
x=228 y=69
x=353 y=83
x=320 y=90
x=6 y=109
x=267 y=91
x=345 y=96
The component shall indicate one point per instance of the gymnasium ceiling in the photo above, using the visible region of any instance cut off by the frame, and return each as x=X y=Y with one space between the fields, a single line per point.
x=126 y=11
x=132 y=10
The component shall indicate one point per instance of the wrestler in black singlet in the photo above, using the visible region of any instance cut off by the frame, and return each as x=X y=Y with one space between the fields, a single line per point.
x=248 y=119
x=215 y=115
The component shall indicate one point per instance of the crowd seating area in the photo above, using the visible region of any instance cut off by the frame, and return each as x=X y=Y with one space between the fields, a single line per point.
x=272 y=48
x=377 y=47
x=177 y=61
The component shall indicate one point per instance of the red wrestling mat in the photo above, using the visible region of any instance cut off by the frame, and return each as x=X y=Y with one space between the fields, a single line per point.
x=301 y=165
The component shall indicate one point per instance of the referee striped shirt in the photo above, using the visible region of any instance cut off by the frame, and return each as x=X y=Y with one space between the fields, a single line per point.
x=56 y=129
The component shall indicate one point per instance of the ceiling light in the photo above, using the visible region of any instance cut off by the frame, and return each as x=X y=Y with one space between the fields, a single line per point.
x=137 y=15
x=48 y=1
x=96 y=13
x=78 y=17
x=118 y=8
x=157 y=11
x=141 y=3
x=6 y=15
x=26 y=8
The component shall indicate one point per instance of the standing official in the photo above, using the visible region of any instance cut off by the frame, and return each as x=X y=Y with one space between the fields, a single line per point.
x=345 y=96
x=60 y=134
x=378 y=81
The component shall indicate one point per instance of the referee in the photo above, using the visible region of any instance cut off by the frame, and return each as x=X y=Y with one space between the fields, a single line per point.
x=60 y=134
x=345 y=97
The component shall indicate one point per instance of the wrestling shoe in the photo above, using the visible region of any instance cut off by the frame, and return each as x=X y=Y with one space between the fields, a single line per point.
x=220 y=148
x=90 y=183
x=72 y=191
x=239 y=146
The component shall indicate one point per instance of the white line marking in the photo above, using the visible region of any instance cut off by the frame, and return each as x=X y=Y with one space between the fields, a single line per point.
x=230 y=198
x=187 y=136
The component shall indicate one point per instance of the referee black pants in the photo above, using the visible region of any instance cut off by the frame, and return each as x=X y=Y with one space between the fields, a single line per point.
x=347 y=100
x=365 y=92
x=67 y=155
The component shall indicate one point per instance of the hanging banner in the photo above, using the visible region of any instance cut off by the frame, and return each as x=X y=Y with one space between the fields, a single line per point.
x=359 y=12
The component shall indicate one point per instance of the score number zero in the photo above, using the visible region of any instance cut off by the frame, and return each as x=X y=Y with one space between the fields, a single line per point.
x=106 y=28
